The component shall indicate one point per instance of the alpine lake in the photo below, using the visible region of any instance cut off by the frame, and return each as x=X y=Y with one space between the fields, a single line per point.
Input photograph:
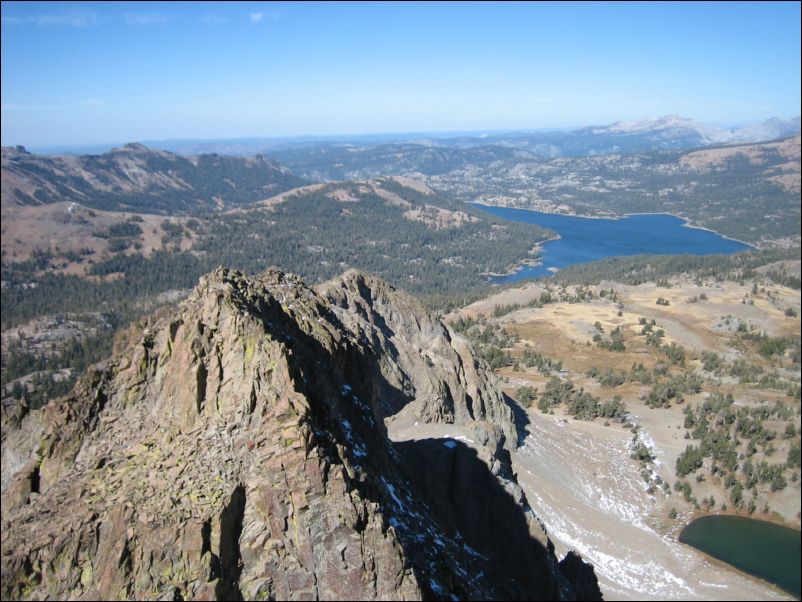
x=762 y=549
x=585 y=239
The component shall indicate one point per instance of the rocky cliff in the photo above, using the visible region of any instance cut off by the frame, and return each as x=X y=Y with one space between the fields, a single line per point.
x=422 y=368
x=236 y=449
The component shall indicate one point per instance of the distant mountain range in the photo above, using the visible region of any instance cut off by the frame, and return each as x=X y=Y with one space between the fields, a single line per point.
x=661 y=133
x=329 y=160
x=680 y=129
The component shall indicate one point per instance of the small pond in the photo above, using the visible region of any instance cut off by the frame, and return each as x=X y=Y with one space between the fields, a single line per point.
x=762 y=549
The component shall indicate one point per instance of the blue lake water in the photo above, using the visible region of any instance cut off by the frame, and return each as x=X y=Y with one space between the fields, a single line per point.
x=583 y=240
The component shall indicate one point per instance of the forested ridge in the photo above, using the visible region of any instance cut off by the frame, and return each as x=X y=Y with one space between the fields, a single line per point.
x=418 y=240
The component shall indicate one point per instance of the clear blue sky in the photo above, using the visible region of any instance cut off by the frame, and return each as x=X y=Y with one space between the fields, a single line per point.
x=86 y=73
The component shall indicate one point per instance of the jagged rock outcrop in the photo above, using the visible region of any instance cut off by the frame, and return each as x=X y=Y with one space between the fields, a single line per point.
x=236 y=449
x=21 y=431
x=424 y=369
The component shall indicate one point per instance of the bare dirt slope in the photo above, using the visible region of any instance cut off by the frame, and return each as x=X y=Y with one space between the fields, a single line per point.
x=67 y=227
x=599 y=506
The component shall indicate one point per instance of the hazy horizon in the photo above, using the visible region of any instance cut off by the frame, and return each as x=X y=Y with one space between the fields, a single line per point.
x=98 y=74
x=77 y=148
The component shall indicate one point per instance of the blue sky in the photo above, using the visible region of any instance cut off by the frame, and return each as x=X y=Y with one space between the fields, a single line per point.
x=92 y=73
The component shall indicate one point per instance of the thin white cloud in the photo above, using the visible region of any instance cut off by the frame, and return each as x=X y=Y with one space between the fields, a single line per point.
x=213 y=19
x=87 y=103
x=68 y=19
x=256 y=17
x=145 y=19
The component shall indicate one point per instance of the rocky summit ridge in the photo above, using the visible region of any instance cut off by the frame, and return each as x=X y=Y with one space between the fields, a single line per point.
x=235 y=448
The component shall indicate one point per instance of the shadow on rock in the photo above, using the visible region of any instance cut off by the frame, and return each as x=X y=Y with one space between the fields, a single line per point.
x=521 y=419
x=473 y=506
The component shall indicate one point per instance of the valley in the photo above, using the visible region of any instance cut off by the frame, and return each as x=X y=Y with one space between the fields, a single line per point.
x=610 y=481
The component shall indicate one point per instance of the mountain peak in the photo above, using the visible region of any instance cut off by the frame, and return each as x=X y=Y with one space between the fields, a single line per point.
x=652 y=124
x=134 y=147
x=236 y=448
x=678 y=127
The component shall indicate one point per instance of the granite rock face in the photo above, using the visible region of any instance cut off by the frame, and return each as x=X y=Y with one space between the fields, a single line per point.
x=236 y=449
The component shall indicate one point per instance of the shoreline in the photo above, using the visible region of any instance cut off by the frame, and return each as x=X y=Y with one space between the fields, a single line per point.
x=686 y=222
x=538 y=247
x=774 y=519
x=611 y=217
x=689 y=224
